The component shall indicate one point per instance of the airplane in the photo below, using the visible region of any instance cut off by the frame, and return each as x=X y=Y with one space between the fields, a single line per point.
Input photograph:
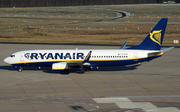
x=86 y=59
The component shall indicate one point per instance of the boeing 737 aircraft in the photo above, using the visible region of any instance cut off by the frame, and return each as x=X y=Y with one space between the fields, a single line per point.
x=61 y=60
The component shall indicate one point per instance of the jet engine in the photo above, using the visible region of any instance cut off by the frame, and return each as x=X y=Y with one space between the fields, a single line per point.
x=61 y=66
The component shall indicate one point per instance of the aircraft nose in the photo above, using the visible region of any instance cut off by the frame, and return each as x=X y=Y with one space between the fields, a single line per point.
x=6 y=60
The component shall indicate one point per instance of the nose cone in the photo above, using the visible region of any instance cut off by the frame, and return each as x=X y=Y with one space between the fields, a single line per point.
x=6 y=60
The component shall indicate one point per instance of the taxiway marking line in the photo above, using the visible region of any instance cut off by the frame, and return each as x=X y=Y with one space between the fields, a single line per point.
x=90 y=91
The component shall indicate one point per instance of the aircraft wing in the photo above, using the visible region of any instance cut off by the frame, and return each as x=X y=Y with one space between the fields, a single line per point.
x=66 y=65
x=80 y=63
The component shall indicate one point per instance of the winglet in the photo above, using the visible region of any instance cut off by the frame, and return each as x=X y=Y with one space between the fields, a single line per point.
x=88 y=57
x=124 y=45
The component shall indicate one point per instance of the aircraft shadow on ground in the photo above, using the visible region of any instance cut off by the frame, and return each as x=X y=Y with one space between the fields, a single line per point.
x=78 y=108
x=11 y=68
x=117 y=68
x=76 y=70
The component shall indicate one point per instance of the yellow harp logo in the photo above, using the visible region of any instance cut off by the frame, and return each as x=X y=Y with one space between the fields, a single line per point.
x=156 y=36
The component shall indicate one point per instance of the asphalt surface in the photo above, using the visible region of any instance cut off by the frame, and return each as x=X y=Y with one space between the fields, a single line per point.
x=151 y=86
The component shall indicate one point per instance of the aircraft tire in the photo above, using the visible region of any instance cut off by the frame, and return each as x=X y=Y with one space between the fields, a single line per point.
x=20 y=69
x=82 y=71
x=88 y=69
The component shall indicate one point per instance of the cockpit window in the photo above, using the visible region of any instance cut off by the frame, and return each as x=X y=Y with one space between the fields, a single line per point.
x=12 y=56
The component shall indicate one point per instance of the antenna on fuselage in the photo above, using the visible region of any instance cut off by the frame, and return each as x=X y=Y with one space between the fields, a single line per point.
x=76 y=48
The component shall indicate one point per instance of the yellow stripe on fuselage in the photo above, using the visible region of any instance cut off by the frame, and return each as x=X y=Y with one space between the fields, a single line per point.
x=59 y=68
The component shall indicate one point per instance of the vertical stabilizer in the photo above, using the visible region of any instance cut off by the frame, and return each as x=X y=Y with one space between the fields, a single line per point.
x=154 y=39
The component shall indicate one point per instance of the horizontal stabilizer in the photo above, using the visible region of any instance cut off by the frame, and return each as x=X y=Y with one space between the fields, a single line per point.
x=167 y=49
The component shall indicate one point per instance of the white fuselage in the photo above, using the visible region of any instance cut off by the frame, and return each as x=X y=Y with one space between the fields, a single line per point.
x=99 y=57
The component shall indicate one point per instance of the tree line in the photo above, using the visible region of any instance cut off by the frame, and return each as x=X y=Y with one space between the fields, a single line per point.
x=41 y=3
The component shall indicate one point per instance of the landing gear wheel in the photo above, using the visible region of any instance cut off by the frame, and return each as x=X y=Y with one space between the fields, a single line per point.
x=81 y=70
x=88 y=69
x=20 y=69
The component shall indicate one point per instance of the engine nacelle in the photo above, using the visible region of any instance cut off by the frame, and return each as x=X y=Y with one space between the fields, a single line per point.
x=61 y=66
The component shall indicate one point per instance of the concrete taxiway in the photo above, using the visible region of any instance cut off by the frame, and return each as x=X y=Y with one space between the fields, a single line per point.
x=148 y=87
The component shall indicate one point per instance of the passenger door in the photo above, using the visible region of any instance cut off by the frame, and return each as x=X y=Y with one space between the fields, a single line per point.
x=135 y=56
x=22 y=57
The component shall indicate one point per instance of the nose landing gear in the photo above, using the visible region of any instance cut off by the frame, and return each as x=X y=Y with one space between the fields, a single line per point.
x=20 y=69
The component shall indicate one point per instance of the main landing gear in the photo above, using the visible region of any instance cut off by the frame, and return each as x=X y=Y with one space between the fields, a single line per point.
x=20 y=69
x=82 y=69
x=88 y=69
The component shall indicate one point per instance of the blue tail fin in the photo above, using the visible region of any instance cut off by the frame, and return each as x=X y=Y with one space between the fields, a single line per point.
x=154 y=39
